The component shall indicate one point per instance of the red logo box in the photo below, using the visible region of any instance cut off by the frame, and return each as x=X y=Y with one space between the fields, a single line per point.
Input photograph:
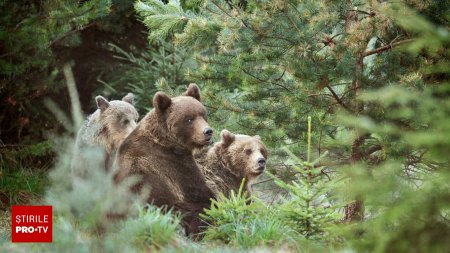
x=31 y=224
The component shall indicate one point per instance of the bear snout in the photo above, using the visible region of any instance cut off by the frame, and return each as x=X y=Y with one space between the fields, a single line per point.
x=262 y=162
x=208 y=132
x=261 y=165
x=204 y=137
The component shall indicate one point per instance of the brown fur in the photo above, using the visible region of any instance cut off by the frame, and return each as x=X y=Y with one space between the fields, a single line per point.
x=159 y=151
x=234 y=158
x=102 y=133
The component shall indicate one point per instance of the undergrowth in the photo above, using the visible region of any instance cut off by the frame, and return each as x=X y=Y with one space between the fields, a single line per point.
x=244 y=222
x=21 y=185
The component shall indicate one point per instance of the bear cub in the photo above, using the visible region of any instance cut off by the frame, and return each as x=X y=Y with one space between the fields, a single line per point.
x=234 y=158
x=101 y=134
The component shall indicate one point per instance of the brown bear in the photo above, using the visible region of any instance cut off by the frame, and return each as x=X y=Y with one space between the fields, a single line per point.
x=234 y=158
x=159 y=153
x=101 y=134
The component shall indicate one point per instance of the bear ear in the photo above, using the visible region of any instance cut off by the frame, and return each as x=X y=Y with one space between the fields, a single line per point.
x=161 y=101
x=129 y=98
x=193 y=91
x=102 y=103
x=227 y=138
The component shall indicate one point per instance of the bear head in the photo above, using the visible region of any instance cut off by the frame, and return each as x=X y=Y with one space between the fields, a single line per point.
x=118 y=119
x=183 y=118
x=244 y=155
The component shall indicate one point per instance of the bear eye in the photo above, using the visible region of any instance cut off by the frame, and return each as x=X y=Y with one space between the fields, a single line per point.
x=263 y=152
x=248 y=151
x=189 y=120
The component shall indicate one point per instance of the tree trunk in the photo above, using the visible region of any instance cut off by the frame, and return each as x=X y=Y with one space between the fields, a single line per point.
x=354 y=211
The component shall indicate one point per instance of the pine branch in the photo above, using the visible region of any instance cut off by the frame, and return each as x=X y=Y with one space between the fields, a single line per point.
x=9 y=53
x=220 y=8
x=62 y=36
x=337 y=98
x=292 y=22
x=372 y=150
x=229 y=15
x=356 y=84
x=385 y=48
x=319 y=94
x=240 y=14
x=347 y=16
x=363 y=12
x=254 y=76
x=263 y=181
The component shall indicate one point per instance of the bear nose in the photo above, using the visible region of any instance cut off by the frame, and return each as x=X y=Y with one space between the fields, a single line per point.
x=207 y=131
x=261 y=162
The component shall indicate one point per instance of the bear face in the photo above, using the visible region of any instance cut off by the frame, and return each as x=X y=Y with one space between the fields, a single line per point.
x=116 y=119
x=228 y=162
x=244 y=155
x=184 y=118
x=102 y=133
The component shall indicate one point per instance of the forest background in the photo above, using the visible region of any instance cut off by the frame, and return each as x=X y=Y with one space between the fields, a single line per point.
x=351 y=98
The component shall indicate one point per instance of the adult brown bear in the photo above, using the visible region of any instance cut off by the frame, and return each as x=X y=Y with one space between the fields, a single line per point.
x=159 y=153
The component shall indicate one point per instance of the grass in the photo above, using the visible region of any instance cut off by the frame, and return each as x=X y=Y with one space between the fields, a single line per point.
x=21 y=186
x=23 y=172
x=5 y=225
x=23 y=178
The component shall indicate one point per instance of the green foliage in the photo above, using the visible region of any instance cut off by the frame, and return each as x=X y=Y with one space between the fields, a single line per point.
x=164 y=19
x=95 y=215
x=401 y=216
x=84 y=210
x=32 y=30
x=33 y=155
x=23 y=172
x=21 y=186
x=38 y=38
x=151 y=228
x=161 y=67
x=255 y=68
x=409 y=212
x=240 y=222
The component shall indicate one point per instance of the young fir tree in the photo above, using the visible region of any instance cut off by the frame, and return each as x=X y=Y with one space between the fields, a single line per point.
x=308 y=208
